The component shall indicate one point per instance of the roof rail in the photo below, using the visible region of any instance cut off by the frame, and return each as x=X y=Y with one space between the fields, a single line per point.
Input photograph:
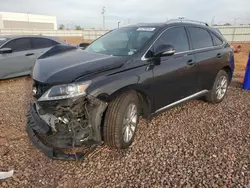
x=187 y=21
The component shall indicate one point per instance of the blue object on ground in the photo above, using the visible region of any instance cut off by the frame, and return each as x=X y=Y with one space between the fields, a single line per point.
x=246 y=84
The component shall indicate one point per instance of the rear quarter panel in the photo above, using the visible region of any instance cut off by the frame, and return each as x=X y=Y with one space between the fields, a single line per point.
x=209 y=64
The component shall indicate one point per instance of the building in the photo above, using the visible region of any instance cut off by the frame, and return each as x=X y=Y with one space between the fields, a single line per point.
x=12 y=20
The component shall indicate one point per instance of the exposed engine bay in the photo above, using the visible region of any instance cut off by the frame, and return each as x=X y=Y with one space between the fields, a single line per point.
x=71 y=123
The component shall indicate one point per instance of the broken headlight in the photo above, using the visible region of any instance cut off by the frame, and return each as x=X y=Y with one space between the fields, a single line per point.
x=65 y=91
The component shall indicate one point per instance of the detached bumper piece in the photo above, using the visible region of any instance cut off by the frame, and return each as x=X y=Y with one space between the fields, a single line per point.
x=37 y=126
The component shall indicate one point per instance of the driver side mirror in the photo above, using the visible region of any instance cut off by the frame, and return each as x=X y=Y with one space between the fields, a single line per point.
x=5 y=51
x=83 y=45
x=164 y=50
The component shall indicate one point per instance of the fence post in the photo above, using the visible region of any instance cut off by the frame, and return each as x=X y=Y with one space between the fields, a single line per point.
x=83 y=34
x=234 y=33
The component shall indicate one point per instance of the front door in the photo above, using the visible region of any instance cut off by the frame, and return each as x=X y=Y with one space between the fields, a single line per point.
x=20 y=61
x=175 y=77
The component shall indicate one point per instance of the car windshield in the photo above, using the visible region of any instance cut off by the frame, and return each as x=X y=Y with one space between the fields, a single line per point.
x=2 y=40
x=123 y=41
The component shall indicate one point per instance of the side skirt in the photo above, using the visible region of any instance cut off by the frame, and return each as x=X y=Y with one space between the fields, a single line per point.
x=196 y=95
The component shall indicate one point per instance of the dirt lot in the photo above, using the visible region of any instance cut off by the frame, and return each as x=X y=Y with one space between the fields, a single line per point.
x=196 y=144
x=74 y=40
x=241 y=58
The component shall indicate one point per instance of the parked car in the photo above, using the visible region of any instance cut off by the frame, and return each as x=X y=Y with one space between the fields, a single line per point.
x=18 y=53
x=85 y=97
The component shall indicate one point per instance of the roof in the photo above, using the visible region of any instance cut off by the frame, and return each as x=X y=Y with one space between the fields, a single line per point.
x=31 y=36
x=21 y=36
x=147 y=25
x=171 y=22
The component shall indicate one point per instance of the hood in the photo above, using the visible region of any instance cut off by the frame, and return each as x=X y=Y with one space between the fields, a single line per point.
x=68 y=66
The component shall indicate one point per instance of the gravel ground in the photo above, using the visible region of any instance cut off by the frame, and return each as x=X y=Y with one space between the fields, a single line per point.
x=194 y=145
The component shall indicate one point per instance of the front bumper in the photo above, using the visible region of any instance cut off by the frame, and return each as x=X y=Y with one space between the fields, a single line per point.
x=36 y=126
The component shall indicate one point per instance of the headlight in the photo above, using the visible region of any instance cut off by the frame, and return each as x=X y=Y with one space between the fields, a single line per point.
x=65 y=91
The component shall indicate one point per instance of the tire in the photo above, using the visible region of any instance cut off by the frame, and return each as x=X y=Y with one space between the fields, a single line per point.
x=116 y=130
x=214 y=95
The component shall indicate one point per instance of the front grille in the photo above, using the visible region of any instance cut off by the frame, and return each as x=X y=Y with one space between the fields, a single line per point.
x=40 y=88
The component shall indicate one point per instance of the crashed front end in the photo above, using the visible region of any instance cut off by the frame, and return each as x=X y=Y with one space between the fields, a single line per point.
x=62 y=117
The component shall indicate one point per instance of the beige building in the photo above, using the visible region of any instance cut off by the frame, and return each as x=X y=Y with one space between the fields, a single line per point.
x=12 y=20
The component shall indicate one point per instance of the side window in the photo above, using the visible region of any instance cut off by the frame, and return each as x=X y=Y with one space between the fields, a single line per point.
x=38 y=43
x=177 y=37
x=217 y=41
x=19 y=44
x=200 y=38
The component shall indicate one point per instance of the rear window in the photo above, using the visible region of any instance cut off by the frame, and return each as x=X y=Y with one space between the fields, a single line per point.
x=2 y=40
x=200 y=38
x=217 y=41
x=42 y=43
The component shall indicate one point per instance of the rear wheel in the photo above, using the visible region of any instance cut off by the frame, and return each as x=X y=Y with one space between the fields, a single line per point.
x=219 y=90
x=121 y=121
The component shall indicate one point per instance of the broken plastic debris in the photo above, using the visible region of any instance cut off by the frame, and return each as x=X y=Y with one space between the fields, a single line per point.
x=4 y=175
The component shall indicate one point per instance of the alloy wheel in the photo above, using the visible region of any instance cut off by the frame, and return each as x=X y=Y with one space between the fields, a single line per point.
x=221 y=87
x=129 y=122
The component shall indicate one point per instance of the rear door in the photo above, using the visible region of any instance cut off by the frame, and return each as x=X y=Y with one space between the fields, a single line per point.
x=208 y=53
x=20 y=61
x=174 y=76
x=40 y=45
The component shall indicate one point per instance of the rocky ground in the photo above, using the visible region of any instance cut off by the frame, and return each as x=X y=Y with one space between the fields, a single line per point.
x=194 y=145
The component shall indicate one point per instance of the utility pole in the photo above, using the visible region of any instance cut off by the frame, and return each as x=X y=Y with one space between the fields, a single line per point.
x=235 y=20
x=212 y=21
x=28 y=17
x=234 y=28
x=103 y=16
x=119 y=24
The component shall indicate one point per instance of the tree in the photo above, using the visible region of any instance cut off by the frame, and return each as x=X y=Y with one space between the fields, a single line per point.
x=78 y=27
x=227 y=24
x=61 y=27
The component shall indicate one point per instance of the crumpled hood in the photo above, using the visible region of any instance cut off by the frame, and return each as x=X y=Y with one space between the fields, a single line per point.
x=68 y=66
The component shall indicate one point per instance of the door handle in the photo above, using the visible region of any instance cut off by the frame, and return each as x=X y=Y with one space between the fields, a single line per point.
x=29 y=54
x=190 y=63
x=219 y=55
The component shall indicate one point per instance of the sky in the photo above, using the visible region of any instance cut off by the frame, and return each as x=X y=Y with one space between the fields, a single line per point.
x=87 y=14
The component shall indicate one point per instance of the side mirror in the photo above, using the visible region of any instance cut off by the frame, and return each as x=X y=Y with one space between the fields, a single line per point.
x=5 y=51
x=164 y=50
x=83 y=45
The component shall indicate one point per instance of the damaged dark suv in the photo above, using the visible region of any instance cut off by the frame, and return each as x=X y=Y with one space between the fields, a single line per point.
x=86 y=97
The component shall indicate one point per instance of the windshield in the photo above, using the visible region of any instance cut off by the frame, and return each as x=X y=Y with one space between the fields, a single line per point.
x=122 y=42
x=2 y=40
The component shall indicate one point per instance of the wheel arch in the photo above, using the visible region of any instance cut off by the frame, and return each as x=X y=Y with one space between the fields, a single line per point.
x=229 y=71
x=144 y=99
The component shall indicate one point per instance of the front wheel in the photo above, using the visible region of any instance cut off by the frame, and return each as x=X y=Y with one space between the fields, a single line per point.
x=219 y=90
x=121 y=121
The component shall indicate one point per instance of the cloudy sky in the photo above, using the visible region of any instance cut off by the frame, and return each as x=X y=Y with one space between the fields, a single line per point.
x=87 y=13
